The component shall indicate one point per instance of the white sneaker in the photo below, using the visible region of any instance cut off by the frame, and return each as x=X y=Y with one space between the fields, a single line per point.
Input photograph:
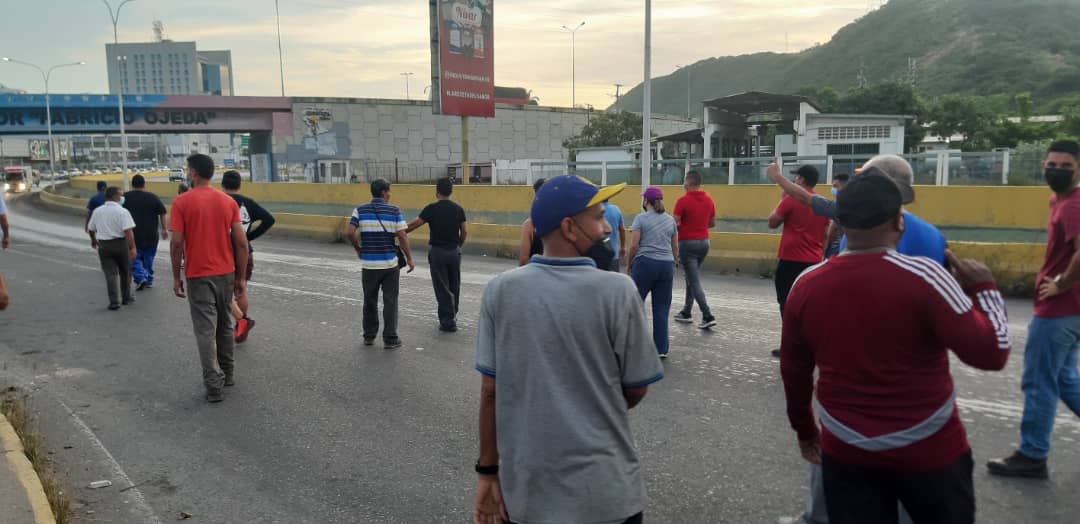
x=663 y=356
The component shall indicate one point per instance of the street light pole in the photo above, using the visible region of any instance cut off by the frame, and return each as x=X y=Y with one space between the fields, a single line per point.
x=45 y=75
x=280 y=56
x=115 y=16
x=406 y=75
x=646 y=111
x=573 y=62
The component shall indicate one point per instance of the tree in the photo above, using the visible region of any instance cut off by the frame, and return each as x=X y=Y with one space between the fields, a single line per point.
x=958 y=115
x=605 y=129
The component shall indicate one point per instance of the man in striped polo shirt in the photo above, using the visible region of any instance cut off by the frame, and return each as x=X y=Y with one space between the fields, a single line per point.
x=379 y=223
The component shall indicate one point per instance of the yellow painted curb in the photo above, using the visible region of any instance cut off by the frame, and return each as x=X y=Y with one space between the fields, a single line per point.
x=25 y=473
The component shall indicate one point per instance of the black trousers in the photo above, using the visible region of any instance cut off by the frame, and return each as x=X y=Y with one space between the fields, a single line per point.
x=385 y=280
x=786 y=273
x=858 y=495
x=636 y=519
x=445 y=267
x=116 y=264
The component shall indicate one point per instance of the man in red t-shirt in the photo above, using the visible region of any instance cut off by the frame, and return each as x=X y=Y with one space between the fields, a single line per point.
x=695 y=213
x=891 y=431
x=1054 y=334
x=209 y=239
x=802 y=242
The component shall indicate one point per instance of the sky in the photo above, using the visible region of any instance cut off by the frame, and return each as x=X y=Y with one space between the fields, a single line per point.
x=359 y=48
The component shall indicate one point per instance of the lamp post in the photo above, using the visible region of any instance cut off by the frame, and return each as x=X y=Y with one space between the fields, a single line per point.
x=45 y=74
x=114 y=15
x=281 y=57
x=573 y=62
x=406 y=75
x=646 y=111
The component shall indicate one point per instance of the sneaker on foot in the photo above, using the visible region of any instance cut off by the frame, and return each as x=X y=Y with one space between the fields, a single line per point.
x=141 y=285
x=707 y=322
x=776 y=353
x=663 y=356
x=149 y=284
x=1018 y=465
x=215 y=395
x=114 y=306
x=392 y=344
x=448 y=329
x=684 y=317
x=369 y=341
x=229 y=381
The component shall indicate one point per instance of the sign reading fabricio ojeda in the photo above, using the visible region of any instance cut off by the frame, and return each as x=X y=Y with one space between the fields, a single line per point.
x=26 y=114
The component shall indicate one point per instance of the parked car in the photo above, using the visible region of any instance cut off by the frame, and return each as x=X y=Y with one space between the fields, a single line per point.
x=176 y=175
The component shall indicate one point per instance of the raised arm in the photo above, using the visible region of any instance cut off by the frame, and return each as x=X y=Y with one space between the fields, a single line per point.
x=791 y=188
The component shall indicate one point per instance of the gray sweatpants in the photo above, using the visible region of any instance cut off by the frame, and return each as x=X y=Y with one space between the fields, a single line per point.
x=116 y=264
x=209 y=298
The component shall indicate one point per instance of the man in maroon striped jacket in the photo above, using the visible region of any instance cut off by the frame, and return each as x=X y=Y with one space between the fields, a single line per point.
x=891 y=429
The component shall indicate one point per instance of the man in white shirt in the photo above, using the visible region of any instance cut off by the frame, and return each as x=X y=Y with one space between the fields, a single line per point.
x=111 y=231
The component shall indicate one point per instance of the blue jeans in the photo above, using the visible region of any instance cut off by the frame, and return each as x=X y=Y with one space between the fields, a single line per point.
x=691 y=254
x=1049 y=374
x=142 y=269
x=656 y=277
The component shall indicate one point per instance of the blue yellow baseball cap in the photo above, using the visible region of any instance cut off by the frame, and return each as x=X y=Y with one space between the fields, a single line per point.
x=565 y=196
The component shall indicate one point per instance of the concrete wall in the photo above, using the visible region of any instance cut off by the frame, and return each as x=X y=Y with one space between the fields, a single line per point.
x=964 y=206
x=374 y=133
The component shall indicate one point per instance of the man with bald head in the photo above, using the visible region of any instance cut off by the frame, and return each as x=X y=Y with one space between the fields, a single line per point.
x=920 y=239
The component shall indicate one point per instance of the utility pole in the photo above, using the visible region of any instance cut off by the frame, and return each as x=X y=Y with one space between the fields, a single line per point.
x=406 y=75
x=115 y=16
x=646 y=111
x=281 y=57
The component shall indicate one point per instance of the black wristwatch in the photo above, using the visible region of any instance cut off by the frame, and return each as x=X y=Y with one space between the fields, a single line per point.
x=487 y=470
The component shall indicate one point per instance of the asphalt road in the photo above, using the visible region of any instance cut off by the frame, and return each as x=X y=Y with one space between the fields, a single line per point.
x=322 y=429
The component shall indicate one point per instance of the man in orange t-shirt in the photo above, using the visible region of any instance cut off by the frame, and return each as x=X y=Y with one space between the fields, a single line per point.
x=208 y=237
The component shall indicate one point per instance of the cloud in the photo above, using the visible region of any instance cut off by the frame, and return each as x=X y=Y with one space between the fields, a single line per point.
x=358 y=48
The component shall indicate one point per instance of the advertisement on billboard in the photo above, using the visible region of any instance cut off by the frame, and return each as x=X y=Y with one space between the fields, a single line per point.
x=39 y=150
x=463 y=57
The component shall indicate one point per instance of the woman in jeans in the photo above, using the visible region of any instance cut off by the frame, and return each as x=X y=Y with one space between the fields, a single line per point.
x=654 y=249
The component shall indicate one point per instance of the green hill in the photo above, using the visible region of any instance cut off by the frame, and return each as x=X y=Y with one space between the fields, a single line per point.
x=974 y=47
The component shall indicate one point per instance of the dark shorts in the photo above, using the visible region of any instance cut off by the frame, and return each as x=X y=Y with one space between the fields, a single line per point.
x=250 y=266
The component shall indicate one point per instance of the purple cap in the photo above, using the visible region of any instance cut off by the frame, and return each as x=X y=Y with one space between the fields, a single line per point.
x=653 y=193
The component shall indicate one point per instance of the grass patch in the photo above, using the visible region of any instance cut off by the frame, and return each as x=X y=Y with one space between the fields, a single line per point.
x=13 y=406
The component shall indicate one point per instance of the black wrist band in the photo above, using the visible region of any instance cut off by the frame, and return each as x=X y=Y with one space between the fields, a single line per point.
x=487 y=470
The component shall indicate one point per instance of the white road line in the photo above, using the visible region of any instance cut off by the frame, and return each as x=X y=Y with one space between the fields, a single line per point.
x=141 y=506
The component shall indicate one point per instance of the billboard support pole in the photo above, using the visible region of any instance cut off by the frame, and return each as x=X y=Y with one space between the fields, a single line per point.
x=465 y=149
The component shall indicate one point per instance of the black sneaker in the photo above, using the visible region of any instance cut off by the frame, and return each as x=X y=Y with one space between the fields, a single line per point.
x=215 y=395
x=229 y=381
x=707 y=322
x=114 y=307
x=392 y=344
x=776 y=353
x=369 y=342
x=684 y=317
x=448 y=329
x=1018 y=465
x=142 y=285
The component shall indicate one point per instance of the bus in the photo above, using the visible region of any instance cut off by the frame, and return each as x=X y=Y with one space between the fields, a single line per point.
x=17 y=179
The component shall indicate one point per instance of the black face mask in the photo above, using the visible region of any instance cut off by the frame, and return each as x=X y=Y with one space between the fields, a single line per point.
x=1059 y=180
x=601 y=252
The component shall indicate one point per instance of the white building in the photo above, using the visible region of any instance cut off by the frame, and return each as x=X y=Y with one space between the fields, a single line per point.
x=820 y=134
x=168 y=68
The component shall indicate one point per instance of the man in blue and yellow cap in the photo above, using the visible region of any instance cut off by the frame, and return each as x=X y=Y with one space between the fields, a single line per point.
x=572 y=351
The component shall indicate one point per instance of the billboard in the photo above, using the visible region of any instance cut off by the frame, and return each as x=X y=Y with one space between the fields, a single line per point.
x=463 y=57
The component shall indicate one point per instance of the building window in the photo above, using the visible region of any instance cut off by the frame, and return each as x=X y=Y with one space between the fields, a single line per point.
x=853 y=132
x=853 y=149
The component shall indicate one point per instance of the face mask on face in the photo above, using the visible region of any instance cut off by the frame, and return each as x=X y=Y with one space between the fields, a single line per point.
x=599 y=251
x=835 y=191
x=1059 y=180
x=121 y=200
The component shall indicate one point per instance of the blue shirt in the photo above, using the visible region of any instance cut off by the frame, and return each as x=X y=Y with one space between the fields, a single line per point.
x=614 y=218
x=377 y=247
x=920 y=239
x=95 y=202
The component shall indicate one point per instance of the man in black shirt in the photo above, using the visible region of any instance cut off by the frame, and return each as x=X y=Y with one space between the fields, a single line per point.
x=448 y=231
x=147 y=211
x=250 y=212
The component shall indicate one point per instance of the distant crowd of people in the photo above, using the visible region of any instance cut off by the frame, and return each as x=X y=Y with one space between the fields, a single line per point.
x=872 y=302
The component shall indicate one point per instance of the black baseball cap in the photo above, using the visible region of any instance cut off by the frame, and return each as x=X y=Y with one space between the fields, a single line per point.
x=868 y=200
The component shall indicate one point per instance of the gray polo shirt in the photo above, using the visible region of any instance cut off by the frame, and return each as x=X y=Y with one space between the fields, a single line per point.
x=564 y=339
